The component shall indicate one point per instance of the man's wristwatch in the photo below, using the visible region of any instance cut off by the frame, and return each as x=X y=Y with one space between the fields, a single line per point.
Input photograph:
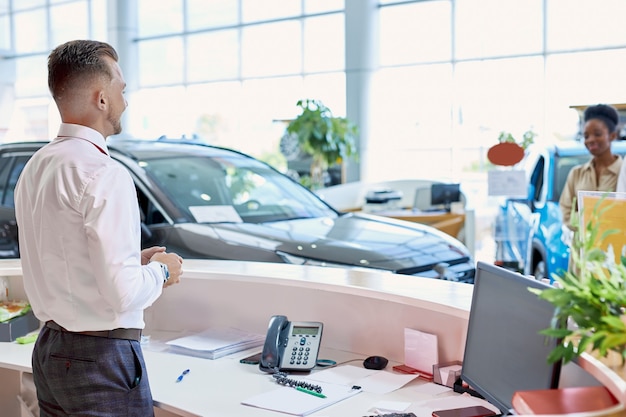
x=166 y=272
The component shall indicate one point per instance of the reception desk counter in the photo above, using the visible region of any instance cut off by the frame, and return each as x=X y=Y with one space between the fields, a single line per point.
x=364 y=313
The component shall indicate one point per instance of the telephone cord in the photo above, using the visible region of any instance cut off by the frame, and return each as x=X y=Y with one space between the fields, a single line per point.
x=283 y=379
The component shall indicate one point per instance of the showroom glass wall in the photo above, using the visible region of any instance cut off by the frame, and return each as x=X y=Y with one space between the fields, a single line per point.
x=449 y=75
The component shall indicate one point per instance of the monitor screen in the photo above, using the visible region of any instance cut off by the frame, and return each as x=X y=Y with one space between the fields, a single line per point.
x=504 y=351
x=444 y=194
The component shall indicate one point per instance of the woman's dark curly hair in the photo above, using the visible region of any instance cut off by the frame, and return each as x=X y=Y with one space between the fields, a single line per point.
x=605 y=113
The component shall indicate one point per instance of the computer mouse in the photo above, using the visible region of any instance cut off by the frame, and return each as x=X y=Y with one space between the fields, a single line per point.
x=375 y=362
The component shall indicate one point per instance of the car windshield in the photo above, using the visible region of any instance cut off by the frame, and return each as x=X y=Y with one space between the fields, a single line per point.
x=232 y=189
x=564 y=165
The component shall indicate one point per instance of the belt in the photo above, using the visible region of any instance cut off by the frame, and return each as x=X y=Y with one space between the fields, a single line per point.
x=128 y=334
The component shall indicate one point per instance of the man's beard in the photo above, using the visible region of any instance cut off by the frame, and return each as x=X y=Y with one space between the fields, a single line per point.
x=116 y=124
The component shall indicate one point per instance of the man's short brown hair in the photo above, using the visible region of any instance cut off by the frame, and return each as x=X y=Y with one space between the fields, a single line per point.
x=77 y=61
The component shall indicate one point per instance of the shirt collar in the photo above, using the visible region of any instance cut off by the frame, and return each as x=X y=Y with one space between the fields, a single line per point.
x=588 y=166
x=85 y=133
x=614 y=167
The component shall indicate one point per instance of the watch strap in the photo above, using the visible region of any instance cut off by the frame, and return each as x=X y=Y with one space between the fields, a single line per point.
x=165 y=271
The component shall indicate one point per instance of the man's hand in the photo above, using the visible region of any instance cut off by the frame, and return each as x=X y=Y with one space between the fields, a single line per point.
x=174 y=265
x=147 y=254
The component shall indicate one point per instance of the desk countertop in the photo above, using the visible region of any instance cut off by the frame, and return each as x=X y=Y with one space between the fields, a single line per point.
x=15 y=356
x=364 y=312
x=201 y=393
x=447 y=297
x=217 y=387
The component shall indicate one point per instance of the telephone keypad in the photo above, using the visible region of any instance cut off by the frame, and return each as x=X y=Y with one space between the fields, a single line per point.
x=303 y=345
x=300 y=356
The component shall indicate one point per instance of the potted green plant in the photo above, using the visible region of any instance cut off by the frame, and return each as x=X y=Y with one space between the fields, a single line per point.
x=591 y=297
x=328 y=139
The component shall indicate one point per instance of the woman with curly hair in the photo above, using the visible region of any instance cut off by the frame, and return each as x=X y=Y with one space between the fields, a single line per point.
x=601 y=172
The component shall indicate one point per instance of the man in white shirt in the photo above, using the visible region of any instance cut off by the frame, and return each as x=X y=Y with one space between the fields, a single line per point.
x=85 y=274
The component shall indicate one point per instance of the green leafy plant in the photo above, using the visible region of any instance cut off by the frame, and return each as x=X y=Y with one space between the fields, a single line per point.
x=328 y=139
x=591 y=296
x=527 y=138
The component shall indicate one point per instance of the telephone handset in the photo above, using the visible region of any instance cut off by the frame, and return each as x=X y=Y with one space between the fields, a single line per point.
x=290 y=345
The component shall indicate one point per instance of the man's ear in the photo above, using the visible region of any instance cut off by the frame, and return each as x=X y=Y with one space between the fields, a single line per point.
x=102 y=100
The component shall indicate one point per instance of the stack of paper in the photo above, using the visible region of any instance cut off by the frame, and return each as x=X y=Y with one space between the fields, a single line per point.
x=214 y=343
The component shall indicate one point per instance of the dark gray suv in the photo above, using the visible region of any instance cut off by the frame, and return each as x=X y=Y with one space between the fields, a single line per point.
x=206 y=202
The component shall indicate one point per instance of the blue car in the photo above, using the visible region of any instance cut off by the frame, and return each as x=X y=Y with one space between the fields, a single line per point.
x=528 y=231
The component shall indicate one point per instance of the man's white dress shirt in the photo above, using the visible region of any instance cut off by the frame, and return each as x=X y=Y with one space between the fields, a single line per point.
x=79 y=236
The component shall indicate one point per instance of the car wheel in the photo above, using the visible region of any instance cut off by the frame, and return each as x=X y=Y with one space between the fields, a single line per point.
x=540 y=270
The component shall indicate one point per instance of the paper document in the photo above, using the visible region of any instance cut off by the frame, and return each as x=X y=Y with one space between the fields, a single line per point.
x=291 y=401
x=509 y=183
x=420 y=351
x=214 y=343
x=379 y=382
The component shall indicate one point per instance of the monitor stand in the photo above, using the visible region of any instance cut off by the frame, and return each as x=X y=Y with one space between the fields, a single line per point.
x=461 y=388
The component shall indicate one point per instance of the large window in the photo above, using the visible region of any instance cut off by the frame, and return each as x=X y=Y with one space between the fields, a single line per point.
x=585 y=24
x=29 y=29
x=448 y=76
x=416 y=32
x=411 y=127
x=455 y=73
x=230 y=72
x=495 y=28
x=161 y=62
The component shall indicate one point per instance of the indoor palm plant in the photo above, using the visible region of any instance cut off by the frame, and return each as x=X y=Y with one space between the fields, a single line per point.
x=591 y=296
x=328 y=139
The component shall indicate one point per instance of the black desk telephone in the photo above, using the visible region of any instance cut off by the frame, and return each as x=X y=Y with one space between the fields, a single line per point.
x=290 y=345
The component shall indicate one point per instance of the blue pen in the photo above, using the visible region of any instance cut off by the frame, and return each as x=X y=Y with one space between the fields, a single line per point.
x=181 y=376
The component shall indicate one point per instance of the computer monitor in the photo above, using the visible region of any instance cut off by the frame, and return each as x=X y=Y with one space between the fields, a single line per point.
x=504 y=351
x=442 y=194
